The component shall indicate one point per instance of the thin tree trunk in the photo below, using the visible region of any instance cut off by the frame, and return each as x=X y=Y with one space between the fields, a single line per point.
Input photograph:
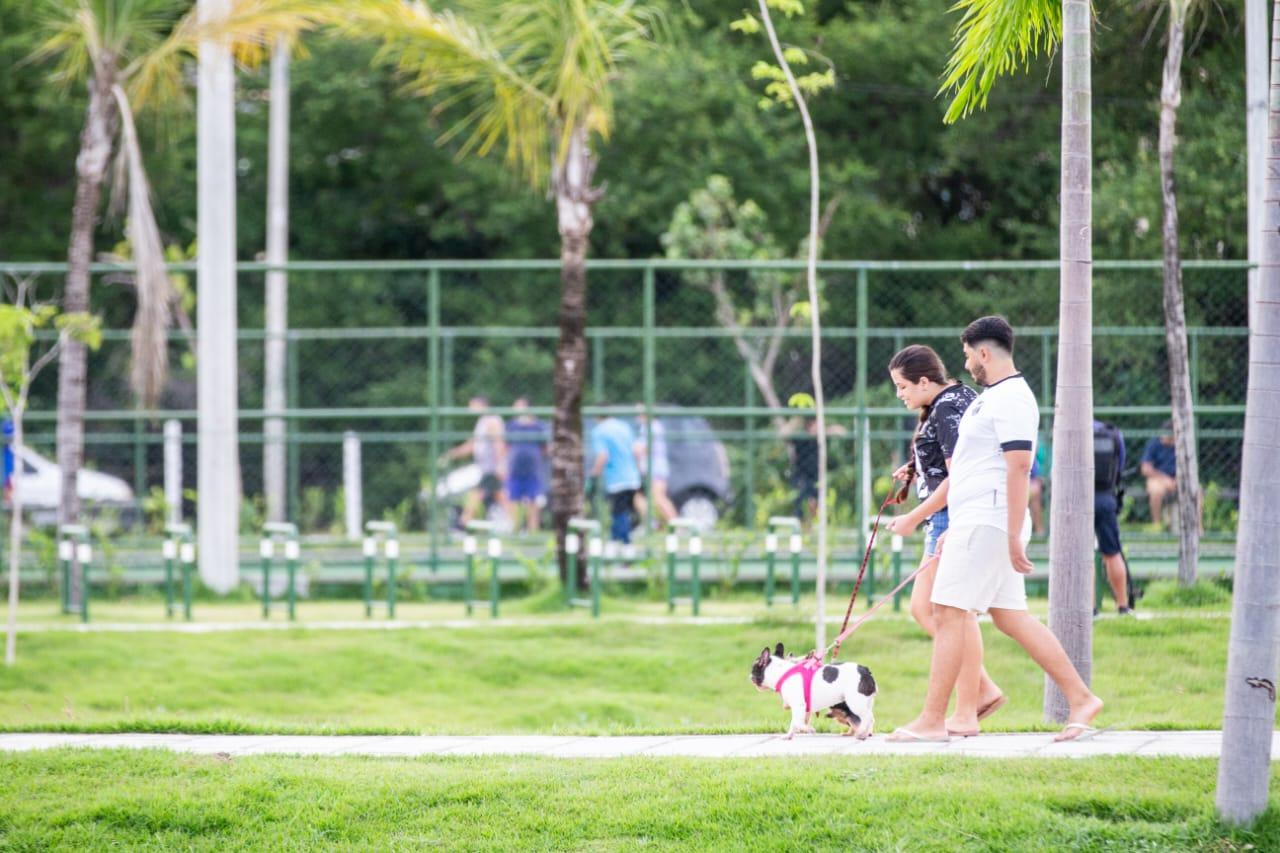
x=1175 y=318
x=273 y=449
x=574 y=199
x=1071 y=512
x=15 y=548
x=91 y=170
x=1244 y=771
x=820 y=615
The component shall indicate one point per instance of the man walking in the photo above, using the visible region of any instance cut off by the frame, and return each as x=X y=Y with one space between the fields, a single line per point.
x=984 y=556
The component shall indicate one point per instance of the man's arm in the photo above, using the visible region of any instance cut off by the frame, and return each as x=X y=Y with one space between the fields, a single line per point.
x=1017 y=483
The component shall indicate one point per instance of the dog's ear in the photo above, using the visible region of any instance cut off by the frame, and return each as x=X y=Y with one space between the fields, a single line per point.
x=764 y=655
x=778 y=652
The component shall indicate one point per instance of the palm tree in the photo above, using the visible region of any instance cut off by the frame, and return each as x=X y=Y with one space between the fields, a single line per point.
x=1175 y=316
x=535 y=75
x=130 y=54
x=1249 y=717
x=995 y=37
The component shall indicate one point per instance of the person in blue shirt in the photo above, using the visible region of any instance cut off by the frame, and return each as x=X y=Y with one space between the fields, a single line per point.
x=1159 y=466
x=527 y=439
x=614 y=460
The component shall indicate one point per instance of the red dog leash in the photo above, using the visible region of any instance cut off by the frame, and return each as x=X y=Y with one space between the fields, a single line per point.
x=892 y=497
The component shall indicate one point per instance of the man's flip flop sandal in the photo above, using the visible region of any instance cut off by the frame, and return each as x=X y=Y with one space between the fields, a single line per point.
x=1086 y=732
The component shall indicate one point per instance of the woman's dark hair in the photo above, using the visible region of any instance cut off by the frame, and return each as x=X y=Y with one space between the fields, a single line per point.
x=918 y=362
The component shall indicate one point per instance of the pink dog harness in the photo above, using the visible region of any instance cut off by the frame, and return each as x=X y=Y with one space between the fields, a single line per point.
x=807 y=669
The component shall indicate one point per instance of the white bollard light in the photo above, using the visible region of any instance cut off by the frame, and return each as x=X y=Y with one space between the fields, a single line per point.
x=595 y=548
x=392 y=549
x=66 y=550
x=771 y=543
x=695 y=545
x=187 y=552
x=673 y=543
x=370 y=547
x=571 y=543
x=266 y=549
x=795 y=543
x=469 y=545
x=291 y=549
x=169 y=549
x=495 y=548
x=84 y=553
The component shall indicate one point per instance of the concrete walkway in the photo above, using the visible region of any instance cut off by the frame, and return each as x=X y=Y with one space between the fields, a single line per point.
x=1206 y=744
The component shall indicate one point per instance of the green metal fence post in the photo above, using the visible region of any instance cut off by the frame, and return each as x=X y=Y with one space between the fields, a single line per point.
x=672 y=542
x=369 y=548
x=139 y=458
x=650 y=384
x=495 y=587
x=795 y=545
x=597 y=369
x=433 y=400
x=265 y=549
x=291 y=425
x=770 y=565
x=695 y=560
x=187 y=556
x=84 y=553
x=595 y=551
x=291 y=568
x=749 y=506
x=64 y=566
x=169 y=550
x=391 y=548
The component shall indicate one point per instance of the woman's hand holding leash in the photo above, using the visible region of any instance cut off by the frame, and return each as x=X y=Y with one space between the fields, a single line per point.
x=903 y=525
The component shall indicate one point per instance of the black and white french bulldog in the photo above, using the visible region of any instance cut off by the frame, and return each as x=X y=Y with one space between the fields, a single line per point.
x=845 y=690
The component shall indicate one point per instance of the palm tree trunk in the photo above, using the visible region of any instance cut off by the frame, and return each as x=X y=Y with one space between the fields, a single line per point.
x=1256 y=50
x=1071 y=512
x=1175 y=318
x=273 y=449
x=574 y=199
x=91 y=170
x=1245 y=769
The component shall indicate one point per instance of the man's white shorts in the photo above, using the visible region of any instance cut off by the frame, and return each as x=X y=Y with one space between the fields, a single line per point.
x=975 y=572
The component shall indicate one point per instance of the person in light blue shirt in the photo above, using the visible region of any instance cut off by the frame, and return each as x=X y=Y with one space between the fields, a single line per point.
x=614 y=459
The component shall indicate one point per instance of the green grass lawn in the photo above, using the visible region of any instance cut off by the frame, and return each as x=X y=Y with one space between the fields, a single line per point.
x=568 y=676
x=156 y=800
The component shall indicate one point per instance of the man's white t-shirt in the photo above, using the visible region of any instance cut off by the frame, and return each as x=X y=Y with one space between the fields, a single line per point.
x=1004 y=417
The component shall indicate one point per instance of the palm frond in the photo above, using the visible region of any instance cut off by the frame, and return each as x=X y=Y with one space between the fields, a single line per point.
x=442 y=52
x=149 y=366
x=994 y=38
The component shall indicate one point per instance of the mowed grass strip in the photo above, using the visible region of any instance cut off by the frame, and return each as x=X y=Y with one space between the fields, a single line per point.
x=589 y=678
x=157 y=800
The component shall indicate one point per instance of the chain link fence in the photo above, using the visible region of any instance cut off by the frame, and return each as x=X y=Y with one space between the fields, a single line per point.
x=394 y=351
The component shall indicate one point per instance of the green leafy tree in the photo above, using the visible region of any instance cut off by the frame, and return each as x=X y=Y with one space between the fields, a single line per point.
x=22 y=358
x=532 y=77
x=129 y=54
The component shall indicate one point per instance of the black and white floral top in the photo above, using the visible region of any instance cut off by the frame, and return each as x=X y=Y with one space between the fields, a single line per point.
x=936 y=440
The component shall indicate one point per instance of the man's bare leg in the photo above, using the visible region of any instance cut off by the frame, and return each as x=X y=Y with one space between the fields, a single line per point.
x=1045 y=650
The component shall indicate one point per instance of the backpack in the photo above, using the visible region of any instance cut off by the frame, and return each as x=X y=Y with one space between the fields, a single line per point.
x=1107 y=440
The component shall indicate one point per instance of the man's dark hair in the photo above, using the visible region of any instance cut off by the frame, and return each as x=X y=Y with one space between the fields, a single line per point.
x=994 y=328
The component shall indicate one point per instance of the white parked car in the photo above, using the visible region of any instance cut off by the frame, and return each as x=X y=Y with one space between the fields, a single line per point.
x=38 y=481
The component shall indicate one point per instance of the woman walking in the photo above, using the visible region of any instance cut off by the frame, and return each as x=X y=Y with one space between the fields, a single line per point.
x=923 y=385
